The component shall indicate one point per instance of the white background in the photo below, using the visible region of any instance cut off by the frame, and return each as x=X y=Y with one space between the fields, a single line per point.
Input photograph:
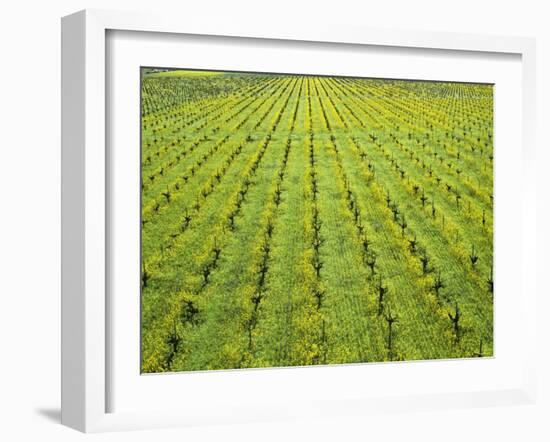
x=30 y=216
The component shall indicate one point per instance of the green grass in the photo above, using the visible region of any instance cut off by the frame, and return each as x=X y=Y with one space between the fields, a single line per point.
x=183 y=73
x=285 y=220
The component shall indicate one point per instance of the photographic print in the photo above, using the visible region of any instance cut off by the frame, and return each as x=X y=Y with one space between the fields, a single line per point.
x=299 y=220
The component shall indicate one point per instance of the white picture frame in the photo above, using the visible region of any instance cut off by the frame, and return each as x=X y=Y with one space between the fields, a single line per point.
x=85 y=307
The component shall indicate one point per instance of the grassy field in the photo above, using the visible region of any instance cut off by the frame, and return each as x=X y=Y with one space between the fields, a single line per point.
x=300 y=220
x=178 y=73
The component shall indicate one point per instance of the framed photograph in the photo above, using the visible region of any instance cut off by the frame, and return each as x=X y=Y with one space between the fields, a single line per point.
x=263 y=223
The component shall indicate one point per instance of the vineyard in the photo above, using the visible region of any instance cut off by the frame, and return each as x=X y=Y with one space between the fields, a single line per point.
x=300 y=220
